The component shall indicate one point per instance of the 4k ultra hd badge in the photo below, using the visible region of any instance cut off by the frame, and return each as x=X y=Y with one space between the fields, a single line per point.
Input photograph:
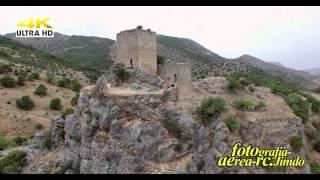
x=34 y=27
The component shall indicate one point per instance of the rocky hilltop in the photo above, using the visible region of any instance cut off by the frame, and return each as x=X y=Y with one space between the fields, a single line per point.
x=133 y=128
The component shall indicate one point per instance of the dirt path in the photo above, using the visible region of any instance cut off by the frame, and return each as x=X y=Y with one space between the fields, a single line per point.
x=129 y=92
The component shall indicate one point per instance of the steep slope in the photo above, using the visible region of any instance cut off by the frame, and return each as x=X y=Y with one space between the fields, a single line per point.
x=276 y=63
x=25 y=61
x=92 y=55
x=300 y=78
x=85 y=53
x=314 y=71
x=112 y=133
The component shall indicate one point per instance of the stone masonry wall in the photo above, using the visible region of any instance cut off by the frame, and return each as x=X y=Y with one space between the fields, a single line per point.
x=136 y=48
x=178 y=75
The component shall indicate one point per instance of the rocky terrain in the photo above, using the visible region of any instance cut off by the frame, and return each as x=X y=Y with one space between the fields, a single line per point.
x=137 y=126
x=125 y=133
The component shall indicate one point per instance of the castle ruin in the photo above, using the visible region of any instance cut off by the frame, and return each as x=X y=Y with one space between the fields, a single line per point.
x=137 y=49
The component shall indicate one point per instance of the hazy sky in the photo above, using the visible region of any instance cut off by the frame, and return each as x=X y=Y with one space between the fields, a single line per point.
x=290 y=35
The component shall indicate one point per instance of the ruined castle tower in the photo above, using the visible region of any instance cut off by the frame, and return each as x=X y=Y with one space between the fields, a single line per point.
x=136 y=48
x=179 y=76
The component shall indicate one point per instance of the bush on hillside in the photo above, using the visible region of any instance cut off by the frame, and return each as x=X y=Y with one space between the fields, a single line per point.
x=50 y=78
x=74 y=100
x=236 y=83
x=35 y=75
x=315 y=167
x=296 y=143
x=5 y=143
x=64 y=82
x=25 y=103
x=160 y=60
x=20 y=80
x=5 y=68
x=41 y=90
x=8 y=82
x=248 y=104
x=299 y=106
x=38 y=126
x=55 y=104
x=121 y=72
x=280 y=89
x=172 y=126
x=232 y=123
x=210 y=107
x=19 y=141
x=75 y=85
x=13 y=162
x=315 y=104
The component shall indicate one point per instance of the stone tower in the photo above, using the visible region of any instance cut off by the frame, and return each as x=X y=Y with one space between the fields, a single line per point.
x=179 y=76
x=136 y=48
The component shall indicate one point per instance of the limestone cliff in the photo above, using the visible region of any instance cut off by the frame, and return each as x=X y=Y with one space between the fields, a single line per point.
x=113 y=132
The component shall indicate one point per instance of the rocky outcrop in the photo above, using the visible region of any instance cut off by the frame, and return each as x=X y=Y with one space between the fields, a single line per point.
x=124 y=134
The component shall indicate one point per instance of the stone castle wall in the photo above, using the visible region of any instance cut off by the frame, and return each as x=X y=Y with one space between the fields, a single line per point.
x=136 y=48
x=178 y=75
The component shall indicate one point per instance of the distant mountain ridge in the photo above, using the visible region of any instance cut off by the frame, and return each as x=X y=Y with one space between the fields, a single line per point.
x=92 y=56
x=277 y=63
x=313 y=71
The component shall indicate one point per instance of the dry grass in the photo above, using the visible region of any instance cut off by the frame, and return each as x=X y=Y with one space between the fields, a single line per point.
x=14 y=121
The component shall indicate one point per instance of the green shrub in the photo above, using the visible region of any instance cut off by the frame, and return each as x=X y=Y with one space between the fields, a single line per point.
x=244 y=104
x=63 y=82
x=41 y=90
x=55 y=104
x=121 y=72
x=50 y=78
x=6 y=143
x=172 y=126
x=5 y=68
x=299 y=106
x=160 y=60
x=4 y=53
x=315 y=167
x=280 y=89
x=35 y=75
x=232 y=123
x=13 y=162
x=25 y=103
x=75 y=85
x=234 y=85
x=248 y=104
x=67 y=112
x=296 y=143
x=315 y=104
x=8 y=81
x=38 y=126
x=48 y=143
x=210 y=107
x=244 y=82
x=20 y=80
x=74 y=100
x=20 y=140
